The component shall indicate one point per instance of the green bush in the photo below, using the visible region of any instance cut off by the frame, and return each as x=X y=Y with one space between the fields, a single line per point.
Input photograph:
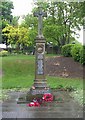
x=66 y=50
x=75 y=52
x=82 y=55
x=4 y=53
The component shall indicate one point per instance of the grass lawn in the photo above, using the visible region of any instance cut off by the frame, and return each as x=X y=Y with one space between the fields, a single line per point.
x=19 y=71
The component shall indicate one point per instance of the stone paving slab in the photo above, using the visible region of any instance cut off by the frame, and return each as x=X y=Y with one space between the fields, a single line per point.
x=66 y=109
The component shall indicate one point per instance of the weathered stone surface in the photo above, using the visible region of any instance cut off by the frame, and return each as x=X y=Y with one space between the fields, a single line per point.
x=67 y=108
x=40 y=81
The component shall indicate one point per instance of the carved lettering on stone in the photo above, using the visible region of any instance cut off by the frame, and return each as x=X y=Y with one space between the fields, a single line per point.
x=40 y=67
x=40 y=92
x=40 y=56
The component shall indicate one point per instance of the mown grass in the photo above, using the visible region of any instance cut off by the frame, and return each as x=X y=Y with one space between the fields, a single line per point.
x=57 y=82
x=18 y=71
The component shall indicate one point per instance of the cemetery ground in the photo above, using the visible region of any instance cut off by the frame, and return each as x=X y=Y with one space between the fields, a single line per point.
x=63 y=75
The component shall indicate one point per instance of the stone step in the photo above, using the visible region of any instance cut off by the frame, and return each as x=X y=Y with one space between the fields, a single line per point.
x=42 y=83
x=40 y=80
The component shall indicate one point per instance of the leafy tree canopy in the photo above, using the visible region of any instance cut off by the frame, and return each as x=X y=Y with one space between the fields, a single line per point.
x=17 y=35
x=6 y=7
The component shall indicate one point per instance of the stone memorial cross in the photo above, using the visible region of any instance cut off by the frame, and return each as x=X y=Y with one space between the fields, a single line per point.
x=40 y=82
x=40 y=16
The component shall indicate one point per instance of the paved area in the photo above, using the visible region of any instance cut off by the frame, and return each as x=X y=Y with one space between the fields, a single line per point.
x=66 y=108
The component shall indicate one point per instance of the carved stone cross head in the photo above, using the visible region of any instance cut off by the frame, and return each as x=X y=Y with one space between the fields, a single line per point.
x=40 y=16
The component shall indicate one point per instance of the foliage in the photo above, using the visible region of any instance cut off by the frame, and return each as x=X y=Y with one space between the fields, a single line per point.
x=15 y=20
x=23 y=36
x=75 y=52
x=9 y=31
x=65 y=15
x=4 y=53
x=66 y=50
x=32 y=35
x=29 y=21
x=6 y=9
x=82 y=55
x=61 y=20
x=17 y=35
x=55 y=33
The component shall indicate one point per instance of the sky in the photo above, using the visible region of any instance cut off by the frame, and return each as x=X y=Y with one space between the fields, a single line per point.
x=81 y=35
x=23 y=7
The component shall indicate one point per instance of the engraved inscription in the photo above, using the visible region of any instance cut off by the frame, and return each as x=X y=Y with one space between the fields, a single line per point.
x=39 y=92
x=40 y=64
x=40 y=56
x=40 y=67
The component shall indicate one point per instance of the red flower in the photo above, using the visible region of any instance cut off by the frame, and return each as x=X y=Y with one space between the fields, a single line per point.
x=35 y=104
x=48 y=97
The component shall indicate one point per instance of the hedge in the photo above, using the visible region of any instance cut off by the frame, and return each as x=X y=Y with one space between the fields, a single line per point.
x=75 y=52
x=82 y=55
x=4 y=53
x=66 y=50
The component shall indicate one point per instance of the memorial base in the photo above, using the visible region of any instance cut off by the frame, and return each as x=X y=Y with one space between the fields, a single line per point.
x=32 y=94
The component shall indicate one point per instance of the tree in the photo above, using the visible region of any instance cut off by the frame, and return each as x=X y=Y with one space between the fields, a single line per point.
x=10 y=34
x=24 y=37
x=15 y=20
x=32 y=35
x=6 y=11
x=29 y=21
x=59 y=25
x=6 y=17
x=55 y=35
x=17 y=35
x=67 y=16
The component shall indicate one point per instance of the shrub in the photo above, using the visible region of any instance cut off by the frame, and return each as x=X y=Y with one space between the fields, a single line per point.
x=82 y=55
x=4 y=53
x=75 y=52
x=66 y=50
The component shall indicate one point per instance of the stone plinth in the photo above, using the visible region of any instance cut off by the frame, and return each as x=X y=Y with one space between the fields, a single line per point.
x=40 y=81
